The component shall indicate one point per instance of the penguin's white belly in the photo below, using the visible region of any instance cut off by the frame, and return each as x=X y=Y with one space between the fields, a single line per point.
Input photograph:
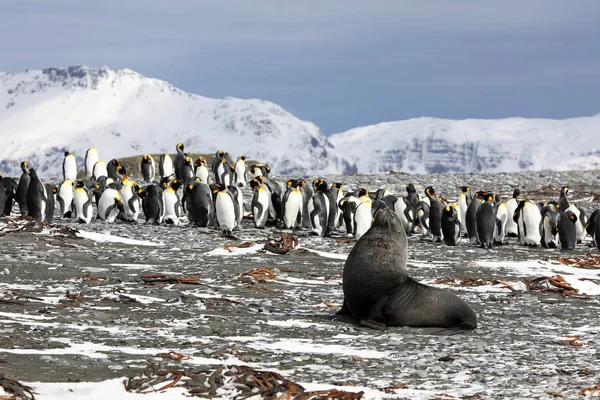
x=170 y=198
x=548 y=236
x=293 y=208
x=107 y=199
x=100 y=170
x=314 y=220
x=167 y=167
x=90 y=161
x=70 y=167
x=399 y=208
x=363 y=218
x=511 y=225
x=502 y=215
x=579 y=224
x=226 y=178
x=462 y=209
x=531 y=218
x=66 y=194
x=202 y=173
x=79 y=199
x=240 y=173
x=225 y=211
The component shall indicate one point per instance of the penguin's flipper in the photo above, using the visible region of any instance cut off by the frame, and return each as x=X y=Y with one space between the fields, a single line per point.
x=87 y=204
x=61 y=204
x=108 y=210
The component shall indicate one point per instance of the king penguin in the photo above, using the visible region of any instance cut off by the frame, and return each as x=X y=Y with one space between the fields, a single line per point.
x=318 y=208
x=528 y=218
x=131 y=200
x=580 y=222
x=436 y=206
x=36 y=197
x=292 y=204
x=221 y=169
x=51 y=190
x=110 y=205
x=201 y=170
x=187 y=169
x=112 y=169
x=200 y=207
x=91 y=158
x=69 y=167
x=563 y=202
x=464 y=200
x=153 y=204
x=148 y=168
x=471 y=216
x=593 y=228
x=567 y=232
x=363 y=218
x=165 y=166
x=261 y=202
x=486 y=222
x=65 y=198
x=226 y=208
x=23 y=187
x=99 y=170
x=550 y=221
x=451 y=227
x=172 y=203
x=179 y=161
x=511 y=206
x=239 y=172
x=82 y=203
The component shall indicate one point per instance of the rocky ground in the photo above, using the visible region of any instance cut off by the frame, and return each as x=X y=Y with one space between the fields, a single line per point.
x=123 y=300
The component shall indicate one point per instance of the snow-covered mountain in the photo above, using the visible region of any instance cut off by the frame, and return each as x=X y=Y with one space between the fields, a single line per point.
x=432 y=145
x=122 y=113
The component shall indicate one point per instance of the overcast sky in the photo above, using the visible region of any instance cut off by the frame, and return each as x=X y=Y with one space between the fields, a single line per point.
x=340 y=64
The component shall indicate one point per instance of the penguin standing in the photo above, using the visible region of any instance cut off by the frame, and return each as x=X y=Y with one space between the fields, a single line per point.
x=436 y=206
x=464 y=200
x=261 y=202
x=580 y=221
x=153 y=204
x=172 y=203
x=239 y=172
x=471 y=216
x=486 y=222
x=201 y=169
x=363 y=218
x=528 y=219
x=307 y=194
x=399 y=205
x=131 y=200
x=593 y=228
x=22 y=188
x=200 y=204
x=259 y=170
x=421 y=212
x=179 y=161
x=276 y=192
x=226 y=208
x=112 y=169
x=36 y=197
x=563 y=202
x=221 y=169
x=511 y=206
x=91 y=158
x=567 y=232
x=110 y=205
x=318 y=208
x=100 y=170
x=65 y=198
x=51 y=190
x=148 y=168
x=292 y=204
x=187 y=169
x=6 y=196
x=69 y=167
x=451 y=226
x=239 y=200
x=165 y=166
x=82 y=203
x=336 y=194
x=501 y=219
x=550 y=221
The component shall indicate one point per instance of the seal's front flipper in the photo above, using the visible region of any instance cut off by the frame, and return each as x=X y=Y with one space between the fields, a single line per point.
x=369 y=323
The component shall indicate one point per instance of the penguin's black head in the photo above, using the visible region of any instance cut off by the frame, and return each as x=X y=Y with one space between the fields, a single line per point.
x=480 y=194
x=67 y=153
x=268 y=169
x=572 y=216
x=114 y=161
x=410 y=188
x=362 y=192
x=489 y=196
x=255 y=183
x=337 y=185
x=464 y=189
x=220 y=154
x=292 y=183
x=80 y=184
x=180 y=146
x=564 y=190
x=147 y=157
x=175 y=184
x=198 y=162
x=189 y=160
x=316 y=183
x=243 y=158
x=516 y=193
x=259 y=178
x=164 y=182
x=24 y=165
x=121 y=170
x=430 y=191
x=322 y=186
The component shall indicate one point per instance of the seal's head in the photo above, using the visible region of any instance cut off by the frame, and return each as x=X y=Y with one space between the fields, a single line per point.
x=387 y=219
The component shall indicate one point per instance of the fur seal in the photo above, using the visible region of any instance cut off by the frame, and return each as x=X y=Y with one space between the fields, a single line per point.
x=378 y=291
